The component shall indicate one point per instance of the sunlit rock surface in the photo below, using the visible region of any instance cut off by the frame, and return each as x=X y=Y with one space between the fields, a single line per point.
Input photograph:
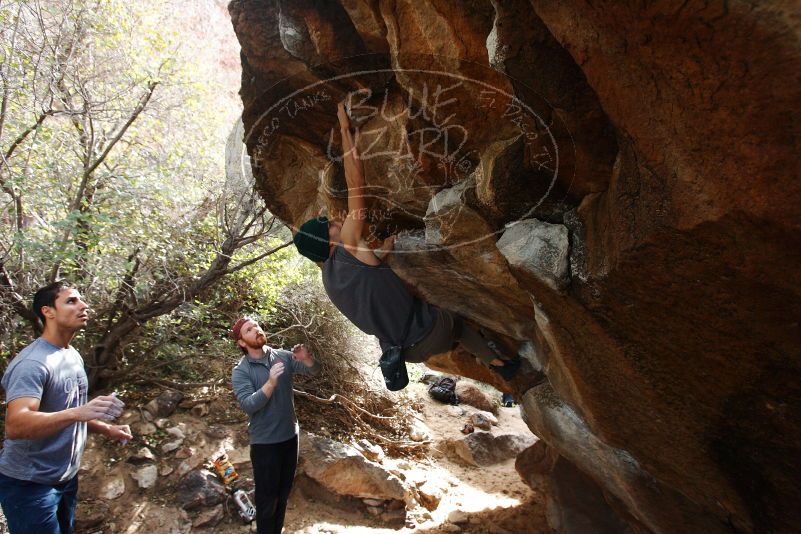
x=662 y=137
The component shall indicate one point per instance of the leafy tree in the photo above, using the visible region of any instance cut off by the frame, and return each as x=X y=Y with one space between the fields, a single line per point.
x=112 y=173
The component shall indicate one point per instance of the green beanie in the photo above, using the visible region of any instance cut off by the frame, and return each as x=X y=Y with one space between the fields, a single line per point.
x=312 y=239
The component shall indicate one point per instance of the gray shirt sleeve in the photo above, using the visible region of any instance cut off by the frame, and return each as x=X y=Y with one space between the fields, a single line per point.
x=298 y=367
x=250 y=399
x=27 y=379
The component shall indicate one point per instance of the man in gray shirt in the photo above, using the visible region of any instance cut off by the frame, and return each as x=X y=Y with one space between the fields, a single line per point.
x=47 y=417
x=262 y=383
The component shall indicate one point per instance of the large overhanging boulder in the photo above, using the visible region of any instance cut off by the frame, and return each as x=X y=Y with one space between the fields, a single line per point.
x=611 y=186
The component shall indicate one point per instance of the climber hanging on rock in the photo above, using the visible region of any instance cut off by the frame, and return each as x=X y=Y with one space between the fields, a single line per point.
x=372 y=296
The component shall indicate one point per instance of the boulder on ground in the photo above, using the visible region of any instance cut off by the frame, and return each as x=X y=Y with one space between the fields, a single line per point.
x=200 y=489
x=343 y=470
x=165 y=404
x=471 y=395
x=482 y=448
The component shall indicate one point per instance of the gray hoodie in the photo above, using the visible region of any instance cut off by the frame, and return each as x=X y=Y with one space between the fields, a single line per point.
x=272 y=420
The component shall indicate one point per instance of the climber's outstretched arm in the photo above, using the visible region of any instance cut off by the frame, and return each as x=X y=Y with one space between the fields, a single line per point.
x=353 y=227
x=354 y=177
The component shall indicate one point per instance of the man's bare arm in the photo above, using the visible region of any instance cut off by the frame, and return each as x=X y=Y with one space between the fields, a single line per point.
x=25 y=421
x=353 y=227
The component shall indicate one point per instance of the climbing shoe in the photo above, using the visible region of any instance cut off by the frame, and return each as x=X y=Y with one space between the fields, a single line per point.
x=508 y=370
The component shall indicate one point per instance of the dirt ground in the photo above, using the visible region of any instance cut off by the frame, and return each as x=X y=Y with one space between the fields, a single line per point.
x=491 y=499
x=494 y=498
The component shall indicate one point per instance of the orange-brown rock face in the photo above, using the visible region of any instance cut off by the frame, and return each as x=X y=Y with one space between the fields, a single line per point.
x=611 y=187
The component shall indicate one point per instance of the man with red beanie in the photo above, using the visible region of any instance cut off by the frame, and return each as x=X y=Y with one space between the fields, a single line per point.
x=262 y=383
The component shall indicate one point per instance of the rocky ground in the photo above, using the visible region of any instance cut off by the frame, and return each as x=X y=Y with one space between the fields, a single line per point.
x=158 y=484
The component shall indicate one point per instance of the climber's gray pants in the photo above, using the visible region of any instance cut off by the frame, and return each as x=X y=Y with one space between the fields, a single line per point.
x=449 y=329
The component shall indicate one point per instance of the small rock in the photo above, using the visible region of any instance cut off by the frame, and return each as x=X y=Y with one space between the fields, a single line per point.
x=176 y=432
x=165 y=404
x=184 y=452
x=403 y=465
x=209 y=518
x=374 y=510
x=165 y=470
x=113 y=488
x=479 y=420
x=152 y=407
x=142 y=456
x=431 y=378
x=146 y=476
x=373 y=502
x=144 y=429
x=458 y=517
x=430 y=493
x=171 y=445
x=189 y=464
x=216 y=432
x=161 y=422
x=419 y=432
x=370 y=451
x=200 y=410
x=450 y=527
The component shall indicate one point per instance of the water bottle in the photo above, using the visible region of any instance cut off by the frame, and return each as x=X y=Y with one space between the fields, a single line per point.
x=246 y=509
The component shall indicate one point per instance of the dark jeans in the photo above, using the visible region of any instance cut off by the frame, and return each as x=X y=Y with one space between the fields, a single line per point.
x=273 y=471
x=32 y=508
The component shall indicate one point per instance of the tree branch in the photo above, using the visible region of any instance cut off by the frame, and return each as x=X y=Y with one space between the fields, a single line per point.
x=253 y=260
x=17 y=302
x=87 y=173
x=151 y=86
x=344 y=401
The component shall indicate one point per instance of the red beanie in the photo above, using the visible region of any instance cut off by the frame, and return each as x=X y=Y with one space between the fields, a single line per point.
x=236 y=330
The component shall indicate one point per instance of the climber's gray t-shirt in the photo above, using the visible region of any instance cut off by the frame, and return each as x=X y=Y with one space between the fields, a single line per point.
x=375 y=299
x=56 y=376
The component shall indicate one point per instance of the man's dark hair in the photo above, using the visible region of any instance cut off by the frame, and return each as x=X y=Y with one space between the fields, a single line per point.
x=46 y=296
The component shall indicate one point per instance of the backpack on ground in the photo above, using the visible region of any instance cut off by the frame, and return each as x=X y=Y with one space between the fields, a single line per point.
x=444 y=390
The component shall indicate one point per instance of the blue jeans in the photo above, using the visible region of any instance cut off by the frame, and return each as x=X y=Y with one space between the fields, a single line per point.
x=32 y=508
